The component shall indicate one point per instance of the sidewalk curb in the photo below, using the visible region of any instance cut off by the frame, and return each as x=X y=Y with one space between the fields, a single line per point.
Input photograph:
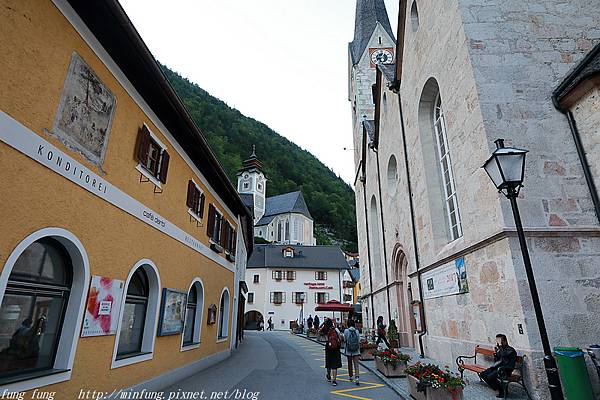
x=403 y=394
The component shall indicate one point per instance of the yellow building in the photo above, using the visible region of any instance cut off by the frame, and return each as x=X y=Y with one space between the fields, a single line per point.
x=123 y=244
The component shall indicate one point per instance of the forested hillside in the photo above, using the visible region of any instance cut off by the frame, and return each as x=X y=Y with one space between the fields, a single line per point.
x=287 y=166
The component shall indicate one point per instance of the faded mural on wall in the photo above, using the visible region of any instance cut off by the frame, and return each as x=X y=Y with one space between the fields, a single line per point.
x=85 y=111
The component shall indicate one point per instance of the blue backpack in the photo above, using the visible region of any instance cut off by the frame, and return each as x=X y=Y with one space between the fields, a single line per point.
x=352 y=344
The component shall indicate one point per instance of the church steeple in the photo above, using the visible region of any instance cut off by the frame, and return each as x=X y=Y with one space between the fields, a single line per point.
x=252 y=181
x=368 y=14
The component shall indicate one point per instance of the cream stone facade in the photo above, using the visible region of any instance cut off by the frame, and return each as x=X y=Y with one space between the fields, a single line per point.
x=467 y=73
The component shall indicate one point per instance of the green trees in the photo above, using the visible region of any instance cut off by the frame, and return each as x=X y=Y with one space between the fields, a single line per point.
x=287 y=166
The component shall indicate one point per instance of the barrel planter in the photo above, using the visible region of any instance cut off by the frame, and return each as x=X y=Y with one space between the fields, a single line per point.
x=432 y=393
x=365 y=355
x=389 y=370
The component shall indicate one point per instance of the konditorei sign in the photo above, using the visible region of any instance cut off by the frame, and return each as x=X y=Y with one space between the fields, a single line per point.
x=35 y=147
x=445 y=280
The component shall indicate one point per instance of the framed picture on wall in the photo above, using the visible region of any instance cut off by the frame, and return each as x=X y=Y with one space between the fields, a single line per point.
x=172 y=312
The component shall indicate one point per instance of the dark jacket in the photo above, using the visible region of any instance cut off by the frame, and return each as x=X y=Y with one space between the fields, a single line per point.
x=505 y=358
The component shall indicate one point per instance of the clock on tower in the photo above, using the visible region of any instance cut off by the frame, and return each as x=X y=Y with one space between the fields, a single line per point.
x=381 y=56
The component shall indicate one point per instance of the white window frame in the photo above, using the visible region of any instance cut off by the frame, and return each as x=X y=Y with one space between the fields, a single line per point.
x=225 y=317
x=253 y=296
x=197 y=331
x=447 y=175
x=69 y=334
x=152 y=312
x=192 y=212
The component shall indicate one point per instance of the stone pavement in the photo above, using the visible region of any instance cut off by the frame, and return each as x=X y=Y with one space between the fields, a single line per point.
x=474 y=390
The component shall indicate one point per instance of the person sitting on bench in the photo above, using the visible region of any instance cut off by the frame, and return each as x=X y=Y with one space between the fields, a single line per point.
x=505 y=358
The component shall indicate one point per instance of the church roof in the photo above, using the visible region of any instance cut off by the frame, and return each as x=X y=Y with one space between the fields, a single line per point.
x=284 y=203
x=248 y=201
x=389 y=71
x=587 y=69
x=251 y=164
x=369 y=126
x=305 y=257
x=368 y=13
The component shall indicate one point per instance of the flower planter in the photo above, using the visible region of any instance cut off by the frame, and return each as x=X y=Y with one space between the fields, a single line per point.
x=365 y=355
x=393 y=343
x=312 y=334
x=412 y=384
x=432 y=393
x=390 y=371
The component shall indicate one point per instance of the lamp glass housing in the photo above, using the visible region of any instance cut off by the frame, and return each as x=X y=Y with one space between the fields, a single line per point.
x=506 y=167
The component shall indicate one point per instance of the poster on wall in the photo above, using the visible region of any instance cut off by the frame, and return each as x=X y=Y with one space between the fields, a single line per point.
x=172 y=312
x=446 y=280
x=102 y=308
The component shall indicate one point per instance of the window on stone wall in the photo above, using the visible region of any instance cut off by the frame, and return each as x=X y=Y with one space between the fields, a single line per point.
x=414 y=16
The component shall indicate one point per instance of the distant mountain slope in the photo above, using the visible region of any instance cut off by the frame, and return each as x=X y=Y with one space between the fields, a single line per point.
x=287 y=166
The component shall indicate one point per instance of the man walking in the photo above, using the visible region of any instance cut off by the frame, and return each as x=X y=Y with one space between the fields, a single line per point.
x=316 y=322
x=352 y=350
x=270 y=322
x=505 y=359
x=309 y=322
x=381 y=332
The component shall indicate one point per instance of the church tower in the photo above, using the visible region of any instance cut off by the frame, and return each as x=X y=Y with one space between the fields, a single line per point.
x=252 y=181
x=373 y=44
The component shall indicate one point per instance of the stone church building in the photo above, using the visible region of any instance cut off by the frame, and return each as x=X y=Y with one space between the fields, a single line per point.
x=438 y=245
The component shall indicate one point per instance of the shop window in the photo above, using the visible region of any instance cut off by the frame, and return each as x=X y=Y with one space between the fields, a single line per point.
x=42 y=299
x=193 y=315
x=137 y=325
x=256 y=278
x=277 y=275
x=152 y=156
x=277 y=297
x=250 y=297
x=321 y=275
x=224 y=315
x=33 y=308
x=321 y=297
x=195 y=200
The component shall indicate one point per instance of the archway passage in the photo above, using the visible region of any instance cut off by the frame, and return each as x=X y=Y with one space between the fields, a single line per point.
x=405 y=323
x=251 y=320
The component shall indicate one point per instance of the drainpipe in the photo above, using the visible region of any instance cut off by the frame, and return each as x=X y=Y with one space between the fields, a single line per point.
x=363 y=179
x=587 y=173
x=387 y=279
x=413 y=224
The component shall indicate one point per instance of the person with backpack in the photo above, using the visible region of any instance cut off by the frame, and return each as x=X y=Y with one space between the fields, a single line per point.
x=352 y=350
x=381 y=332
x=333 y=357
x=309 y=322
x=316 y=323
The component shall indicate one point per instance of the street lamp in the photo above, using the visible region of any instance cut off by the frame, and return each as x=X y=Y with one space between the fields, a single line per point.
x=302 y=296
x=506 y=168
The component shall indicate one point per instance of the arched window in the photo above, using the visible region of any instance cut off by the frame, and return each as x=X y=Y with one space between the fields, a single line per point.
x=374 y=240
x=43 y=287
x=445 y=165
x=414 y=16
x=193 y=315
x=134 y=315
x=139 y=311
x=33 y=308
x=287 y=230
x=441 y=189
x=279 y=231
x=392 y=175
x=223 y=328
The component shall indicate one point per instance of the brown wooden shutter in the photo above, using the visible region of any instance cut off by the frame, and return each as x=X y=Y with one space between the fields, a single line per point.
x=233 y=240
x=190 y=194
x=201 y=206
x=143 y=144
x=224 y=232
x=211 y=221
x=164 y=166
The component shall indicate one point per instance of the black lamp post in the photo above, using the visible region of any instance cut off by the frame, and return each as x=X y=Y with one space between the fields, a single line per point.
x=506 y=168
x=302 y=297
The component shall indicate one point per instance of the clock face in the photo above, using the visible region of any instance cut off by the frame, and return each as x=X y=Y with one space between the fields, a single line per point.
x=381 y=56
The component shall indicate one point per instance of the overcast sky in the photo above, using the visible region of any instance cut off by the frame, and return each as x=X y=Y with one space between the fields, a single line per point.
x=282 y=62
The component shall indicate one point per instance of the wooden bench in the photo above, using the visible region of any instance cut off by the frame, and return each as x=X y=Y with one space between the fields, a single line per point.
x=515 y=377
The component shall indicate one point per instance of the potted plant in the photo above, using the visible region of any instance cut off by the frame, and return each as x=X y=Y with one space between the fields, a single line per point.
x=430 y=382
x=366 y=349
x=312 y=333
x=393 y=334
x=391 y=363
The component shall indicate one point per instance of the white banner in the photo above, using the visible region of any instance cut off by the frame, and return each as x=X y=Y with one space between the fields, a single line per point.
x=32 y=145
x=445 y=280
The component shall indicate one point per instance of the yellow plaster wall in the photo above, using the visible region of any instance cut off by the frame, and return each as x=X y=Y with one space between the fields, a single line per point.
x=35 y=51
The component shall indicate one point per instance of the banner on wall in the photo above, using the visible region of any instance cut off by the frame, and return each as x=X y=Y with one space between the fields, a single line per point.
x=102 y=308
x=445 y=280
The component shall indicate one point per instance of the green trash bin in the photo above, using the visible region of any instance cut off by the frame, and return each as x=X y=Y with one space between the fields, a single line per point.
x=573 y=373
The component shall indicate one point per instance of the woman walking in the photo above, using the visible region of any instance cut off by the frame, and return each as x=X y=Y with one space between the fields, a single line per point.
x=381 y=332
x=333 y=357
x=352 y=350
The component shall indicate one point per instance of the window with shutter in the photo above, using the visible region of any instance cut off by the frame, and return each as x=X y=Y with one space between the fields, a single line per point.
x=164 y=166
x=201 y=206
x=210 y=227
x=195 y=199
x=143 y=143
x=190 y=194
